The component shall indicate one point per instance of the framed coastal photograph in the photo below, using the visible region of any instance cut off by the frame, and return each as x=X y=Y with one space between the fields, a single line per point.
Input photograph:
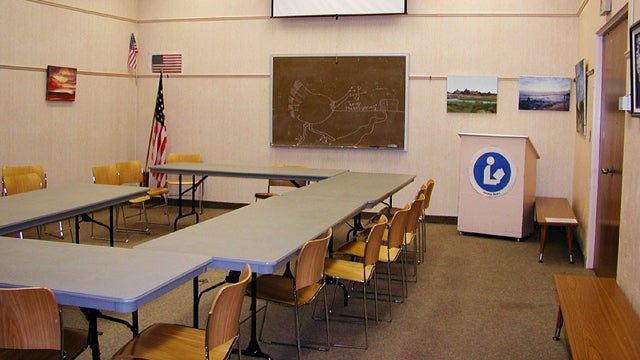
x=472 y=94
x=605 y=7
x=61 y=83
x=581 y=98
x=634 y=38
x=544 y=93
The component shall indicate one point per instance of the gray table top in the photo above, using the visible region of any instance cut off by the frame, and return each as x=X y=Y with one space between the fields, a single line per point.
x=268 y=233
x=25 y=210
x=265 y=234
x=246 y=171
x=98 y=277
x=370 y=188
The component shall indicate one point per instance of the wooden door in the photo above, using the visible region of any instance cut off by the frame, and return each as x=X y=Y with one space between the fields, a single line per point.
x=611 y=147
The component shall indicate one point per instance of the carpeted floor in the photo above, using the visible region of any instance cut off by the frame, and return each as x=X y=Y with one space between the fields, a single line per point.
x=476 y=297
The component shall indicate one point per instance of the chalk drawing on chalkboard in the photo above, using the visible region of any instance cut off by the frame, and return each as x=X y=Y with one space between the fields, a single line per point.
x=313 y=110
x=356 y=103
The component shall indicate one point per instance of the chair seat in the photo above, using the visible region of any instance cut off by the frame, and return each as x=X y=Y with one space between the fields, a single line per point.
x=139 y=200
x=279 y=289
x=347 y=270
x=13 y=354
x=157 y=191
x=165 y=342
x=408 y=238
x=265 y=195
x=356 y=248
x=75 y=342
x=177 y=182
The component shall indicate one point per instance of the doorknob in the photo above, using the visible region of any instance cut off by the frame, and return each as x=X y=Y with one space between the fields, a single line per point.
x=606 y=171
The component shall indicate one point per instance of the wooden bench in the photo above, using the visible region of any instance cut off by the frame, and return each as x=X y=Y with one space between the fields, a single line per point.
x=600 y=322
x=555 y=212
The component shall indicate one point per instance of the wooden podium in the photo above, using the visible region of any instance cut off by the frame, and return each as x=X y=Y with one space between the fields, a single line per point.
x=497 y=185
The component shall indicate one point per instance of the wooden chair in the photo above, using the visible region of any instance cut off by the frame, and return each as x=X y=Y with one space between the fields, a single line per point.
x=171 y=341
x=20 y=183
x=300 y=290
x=37 y=169
x=360 y=272
x=427 y=190
x=31 y=327
x=276 y=183
x=197 y=158
x=391 y=252
x=108 y=175
x=131 y=173
x=411 y=236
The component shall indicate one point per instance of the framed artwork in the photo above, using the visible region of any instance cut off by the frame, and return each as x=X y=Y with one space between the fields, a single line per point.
x=581 y=98
x=340 y=101
x=634 y=37
x=605 y=7
x=472 y=94
x=544 y=93
x=61 y=83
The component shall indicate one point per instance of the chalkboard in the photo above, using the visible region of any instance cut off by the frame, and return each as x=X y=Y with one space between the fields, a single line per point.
x=339 y=101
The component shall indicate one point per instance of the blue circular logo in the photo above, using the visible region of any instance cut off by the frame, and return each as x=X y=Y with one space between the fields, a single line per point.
x=491 y=173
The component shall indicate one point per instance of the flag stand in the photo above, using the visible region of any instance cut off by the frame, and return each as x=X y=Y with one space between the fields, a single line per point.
x=145 y=173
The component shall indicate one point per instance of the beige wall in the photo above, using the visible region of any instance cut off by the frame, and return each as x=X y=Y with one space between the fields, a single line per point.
x=228 y=87
x=220 y=105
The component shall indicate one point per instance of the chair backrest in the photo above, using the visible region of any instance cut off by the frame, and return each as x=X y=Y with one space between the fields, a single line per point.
x=107 y=174
x=223 y=322
x=286 y=182
x=18 y=170
x=16 y=184
x=130 y=172
x=374 y=240
x=29 y=319
x=398 y=227
x=310 y=265
x=173 y=157
x=427 y=189
x=415 y=213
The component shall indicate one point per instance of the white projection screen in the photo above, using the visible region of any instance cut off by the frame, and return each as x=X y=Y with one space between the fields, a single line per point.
x=292 y=8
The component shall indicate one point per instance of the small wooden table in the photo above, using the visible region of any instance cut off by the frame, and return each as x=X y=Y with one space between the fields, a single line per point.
x=600 y=322
x=555 y=212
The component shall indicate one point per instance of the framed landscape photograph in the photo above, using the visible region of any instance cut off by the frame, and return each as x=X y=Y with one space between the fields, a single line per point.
x=581 y=98
x=544 y=93
x=472 y=94
x=605 y=7
x=634 y=37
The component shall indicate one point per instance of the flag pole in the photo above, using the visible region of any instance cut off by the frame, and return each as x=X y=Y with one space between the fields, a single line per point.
x=145 y=173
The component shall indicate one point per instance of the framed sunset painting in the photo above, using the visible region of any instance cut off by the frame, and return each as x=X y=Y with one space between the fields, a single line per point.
x=61 y=83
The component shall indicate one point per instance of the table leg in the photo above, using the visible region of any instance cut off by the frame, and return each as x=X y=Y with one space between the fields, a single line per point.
x=253 y=348
x=111 y=225
x=196 y=302
x=92 y=337
x=193 y=189
x=543 y=236
x=570 y=243
x=77 y=229
x=559 y=323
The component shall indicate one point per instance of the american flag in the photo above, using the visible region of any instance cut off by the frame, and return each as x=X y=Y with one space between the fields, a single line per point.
x=159 y=137
x=133 y=52
x=168 y=63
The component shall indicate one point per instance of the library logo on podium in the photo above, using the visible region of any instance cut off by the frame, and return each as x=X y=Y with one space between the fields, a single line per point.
x=491 y=173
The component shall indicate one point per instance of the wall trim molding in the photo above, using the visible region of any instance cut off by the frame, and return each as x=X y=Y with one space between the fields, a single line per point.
x=268 y=17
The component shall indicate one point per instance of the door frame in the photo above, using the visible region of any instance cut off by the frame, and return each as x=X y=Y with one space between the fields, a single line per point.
x=620 y=16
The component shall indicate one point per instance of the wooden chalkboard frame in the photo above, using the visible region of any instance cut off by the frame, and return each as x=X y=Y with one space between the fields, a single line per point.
x=339 y=101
